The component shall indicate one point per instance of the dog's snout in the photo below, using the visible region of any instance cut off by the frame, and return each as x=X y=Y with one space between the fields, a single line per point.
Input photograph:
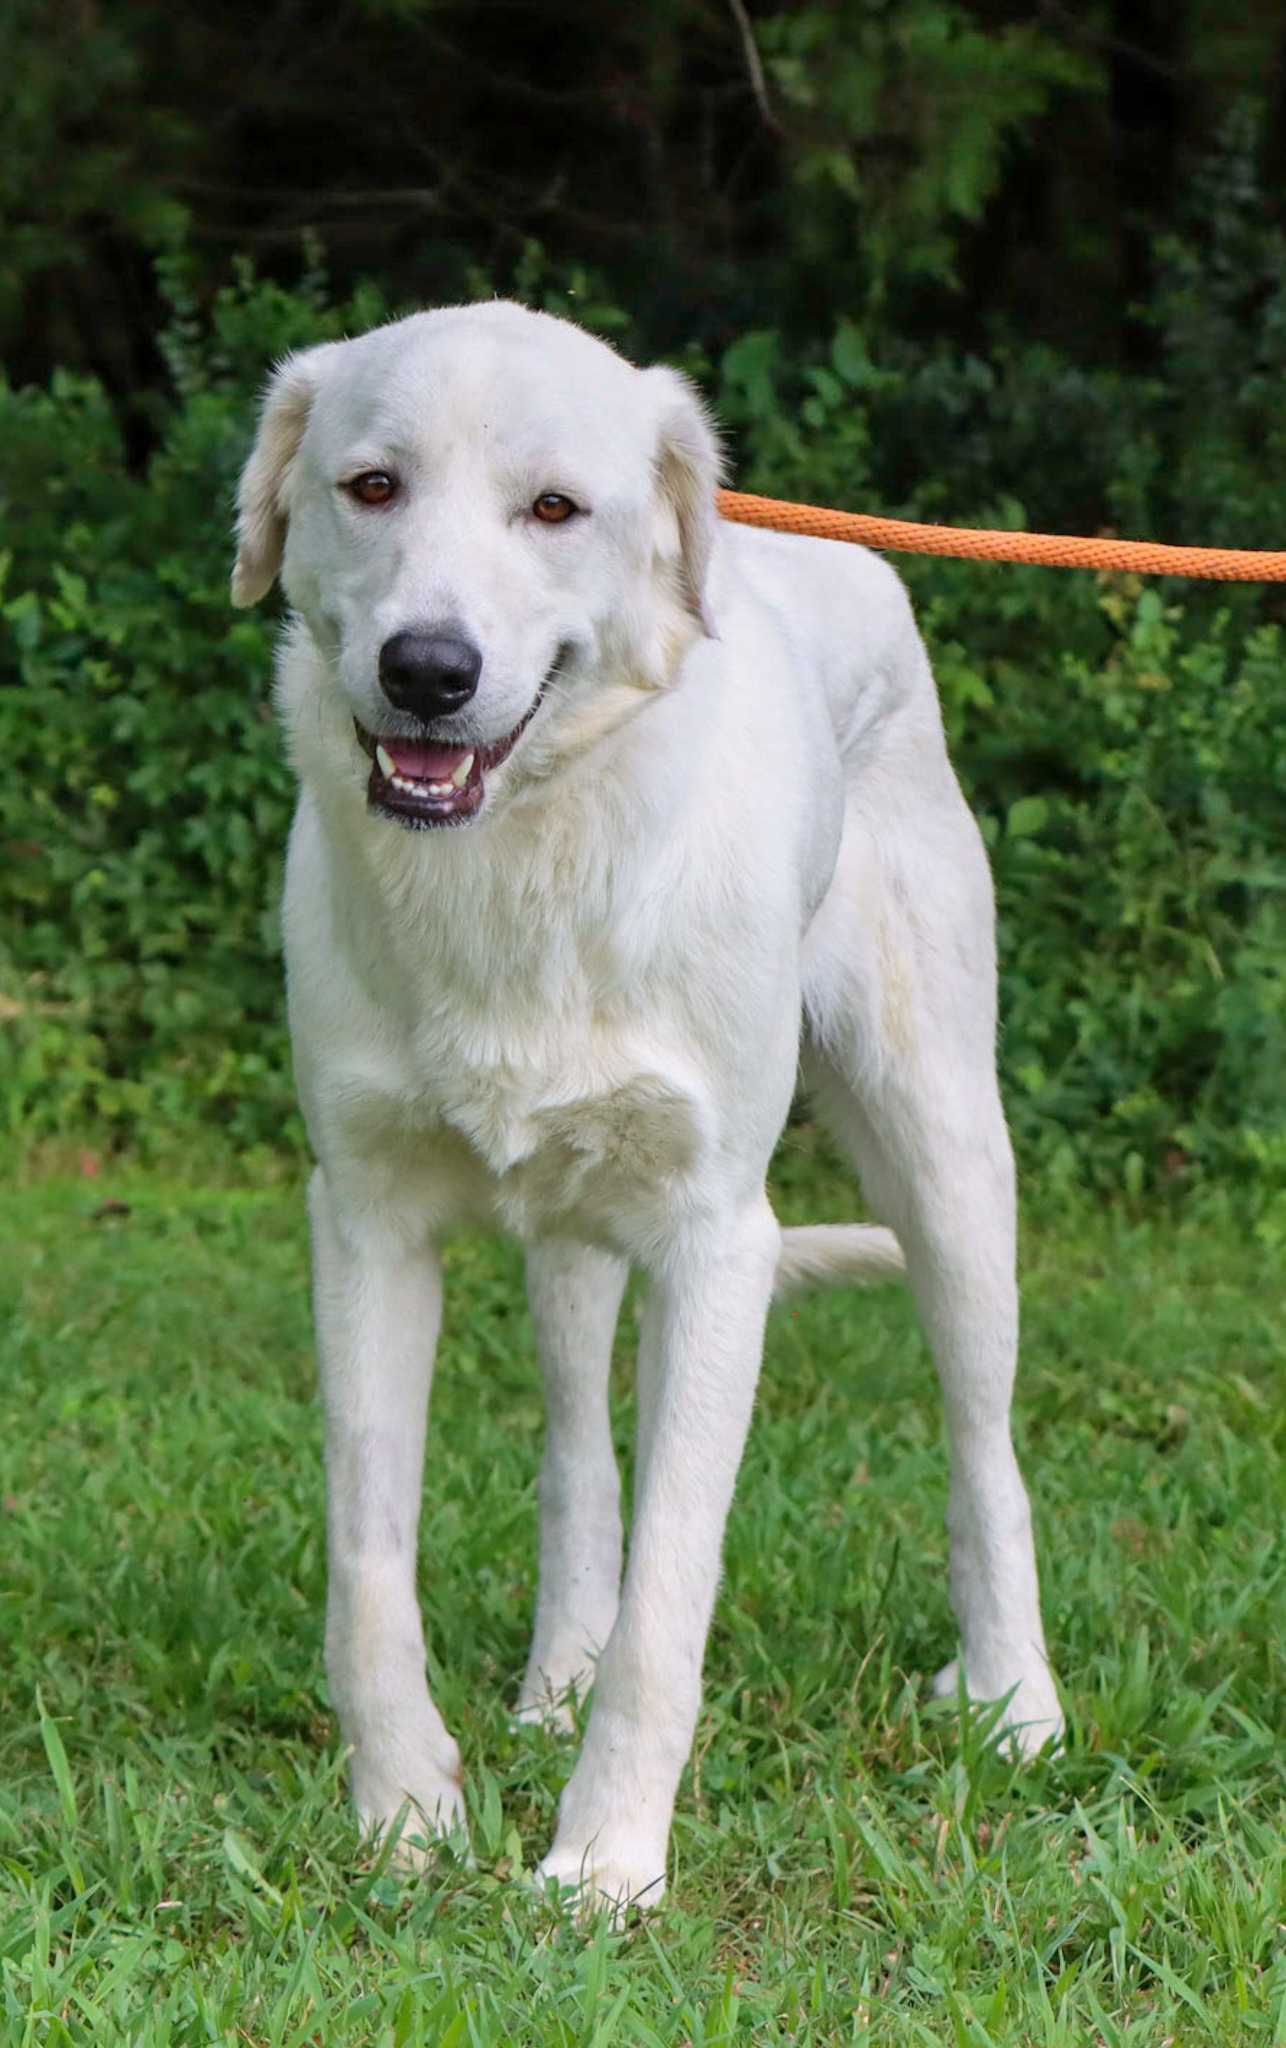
x=429 y=673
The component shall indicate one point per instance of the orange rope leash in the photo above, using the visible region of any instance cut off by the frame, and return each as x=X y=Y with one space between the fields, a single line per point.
x=1053 y=550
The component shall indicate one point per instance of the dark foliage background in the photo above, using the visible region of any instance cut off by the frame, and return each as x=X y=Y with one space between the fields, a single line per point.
x=1016 y=262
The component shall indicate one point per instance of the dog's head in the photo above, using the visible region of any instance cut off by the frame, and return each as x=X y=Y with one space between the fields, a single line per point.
x=487 y=521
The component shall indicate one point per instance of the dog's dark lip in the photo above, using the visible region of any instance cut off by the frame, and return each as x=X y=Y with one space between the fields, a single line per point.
x=411 y=805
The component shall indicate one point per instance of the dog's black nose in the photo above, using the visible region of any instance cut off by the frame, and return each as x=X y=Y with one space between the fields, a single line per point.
x=427 y=673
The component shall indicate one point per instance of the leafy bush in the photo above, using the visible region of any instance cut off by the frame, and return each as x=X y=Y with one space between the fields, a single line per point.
x=1124 y=746
x=144 y=799
x=1134 y=797
x=143 y=807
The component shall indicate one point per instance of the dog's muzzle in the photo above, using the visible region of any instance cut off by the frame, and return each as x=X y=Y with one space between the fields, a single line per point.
x=420 y=783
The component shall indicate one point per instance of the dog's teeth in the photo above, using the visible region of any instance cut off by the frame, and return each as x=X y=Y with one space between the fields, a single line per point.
x=416 y=785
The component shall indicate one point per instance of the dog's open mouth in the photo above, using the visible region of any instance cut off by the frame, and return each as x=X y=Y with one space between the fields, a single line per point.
x=420 y=783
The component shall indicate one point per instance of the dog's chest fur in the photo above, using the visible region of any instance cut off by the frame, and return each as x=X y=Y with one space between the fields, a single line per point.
x=519 y=1048
x=575 y=1114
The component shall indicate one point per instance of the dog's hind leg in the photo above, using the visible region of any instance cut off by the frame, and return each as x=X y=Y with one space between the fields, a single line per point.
x=902 y=1017
x=574 y=1293
x=378 y=1302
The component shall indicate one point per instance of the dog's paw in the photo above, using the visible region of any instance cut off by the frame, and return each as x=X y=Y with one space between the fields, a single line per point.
x=421 y=1808
x=546 y=1702
x=1031 y=1719
x=944 y=1683
x=624 y=1876
x=548 y=1711
x=418 y=1829
x=551 y=1687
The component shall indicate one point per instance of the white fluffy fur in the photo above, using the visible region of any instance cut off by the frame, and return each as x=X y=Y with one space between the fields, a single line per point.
x=731 y=818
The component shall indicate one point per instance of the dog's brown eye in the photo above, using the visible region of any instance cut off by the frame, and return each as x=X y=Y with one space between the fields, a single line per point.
x=374 y=487
x=553 y=508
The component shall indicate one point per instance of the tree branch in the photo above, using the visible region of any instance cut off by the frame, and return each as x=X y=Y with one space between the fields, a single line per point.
x=754 y=68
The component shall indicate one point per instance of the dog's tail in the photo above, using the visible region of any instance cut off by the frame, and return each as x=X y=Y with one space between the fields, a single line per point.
x=819 y=1252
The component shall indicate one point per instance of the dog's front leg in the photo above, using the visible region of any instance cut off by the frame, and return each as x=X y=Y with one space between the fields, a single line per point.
x=699 y=1360
x=378 y=1303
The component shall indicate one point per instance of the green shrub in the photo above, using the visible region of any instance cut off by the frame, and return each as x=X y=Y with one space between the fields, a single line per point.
x=1134 y=798
x=143 y=796
x=143 y=807
x=1123 y=745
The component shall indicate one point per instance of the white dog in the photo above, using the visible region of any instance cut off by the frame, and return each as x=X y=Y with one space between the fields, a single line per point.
x=602 y=802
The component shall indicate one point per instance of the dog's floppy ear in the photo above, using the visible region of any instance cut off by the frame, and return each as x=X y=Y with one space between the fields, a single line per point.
x=689 y=464
x=261 y=502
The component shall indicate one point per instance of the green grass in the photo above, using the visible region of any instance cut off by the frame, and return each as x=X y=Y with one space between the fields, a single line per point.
x=177 y=1864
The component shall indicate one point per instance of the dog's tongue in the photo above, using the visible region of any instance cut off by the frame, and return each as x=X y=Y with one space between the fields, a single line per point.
x=421 y=763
